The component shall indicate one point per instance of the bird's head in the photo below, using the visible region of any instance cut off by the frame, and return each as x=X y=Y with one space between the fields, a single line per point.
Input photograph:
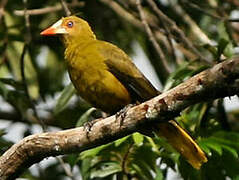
x=70 y=28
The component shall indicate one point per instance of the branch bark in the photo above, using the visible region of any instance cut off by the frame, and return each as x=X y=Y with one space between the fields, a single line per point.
x=220 y=81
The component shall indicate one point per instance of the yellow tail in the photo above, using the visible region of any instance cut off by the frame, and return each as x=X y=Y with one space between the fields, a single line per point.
x=182 y=142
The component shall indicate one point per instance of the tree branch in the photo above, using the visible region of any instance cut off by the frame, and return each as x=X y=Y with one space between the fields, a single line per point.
x=176 y=30
x=49 y=9
x=220 y=81
x=152 y=38
x=65 y=7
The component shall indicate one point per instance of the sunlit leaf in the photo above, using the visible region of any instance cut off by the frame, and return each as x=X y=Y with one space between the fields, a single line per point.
x=138 y=138
x=85 y=117
x=64 y=98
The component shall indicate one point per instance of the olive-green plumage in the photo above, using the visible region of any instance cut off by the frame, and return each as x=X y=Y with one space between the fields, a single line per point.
x=102 y=73
x=106 y=77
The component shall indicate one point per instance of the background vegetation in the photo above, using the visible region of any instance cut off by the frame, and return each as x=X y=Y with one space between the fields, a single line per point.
x=181 y=38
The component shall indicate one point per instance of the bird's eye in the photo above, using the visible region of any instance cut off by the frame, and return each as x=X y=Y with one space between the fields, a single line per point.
x=70 y=24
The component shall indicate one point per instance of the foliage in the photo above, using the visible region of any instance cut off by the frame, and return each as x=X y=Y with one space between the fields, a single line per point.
x=37 y=86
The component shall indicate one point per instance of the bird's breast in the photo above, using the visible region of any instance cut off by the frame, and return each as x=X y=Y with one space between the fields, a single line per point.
x=97 y=85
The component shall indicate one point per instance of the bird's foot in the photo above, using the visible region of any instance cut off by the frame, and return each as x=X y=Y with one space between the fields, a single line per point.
x=120 y=116
x=87 y=127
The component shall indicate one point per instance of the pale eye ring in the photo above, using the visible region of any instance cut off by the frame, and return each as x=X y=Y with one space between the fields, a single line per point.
x=70 y=24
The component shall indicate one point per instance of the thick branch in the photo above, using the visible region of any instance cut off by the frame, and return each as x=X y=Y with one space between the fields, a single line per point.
x=220 y=81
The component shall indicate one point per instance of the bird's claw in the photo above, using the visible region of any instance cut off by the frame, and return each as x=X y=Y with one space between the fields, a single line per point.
x=87 y=127
x=122 y=114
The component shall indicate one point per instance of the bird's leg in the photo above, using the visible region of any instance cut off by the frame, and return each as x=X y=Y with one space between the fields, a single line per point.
x=89 y=124
x=122 y=113
x=87 y=127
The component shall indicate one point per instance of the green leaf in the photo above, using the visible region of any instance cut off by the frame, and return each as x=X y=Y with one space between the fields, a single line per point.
x=92 y=152
x=2 y=132
x=216 y=147
x=3 y=90
x=140 y=172
x=228 y=141
x=64 y=98
x=138 y=138
x=16 y=98
x=231 y=150
x=72 y=159
x=14 y=52
x=85 y=117
x=16 y=84
x=159 y=174
x=85 y=168
x=107 y=168
x=31 y=77
x=221 y=47
x=120 y=141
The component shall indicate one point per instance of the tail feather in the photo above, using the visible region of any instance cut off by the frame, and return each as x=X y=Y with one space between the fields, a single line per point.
x=182 y=142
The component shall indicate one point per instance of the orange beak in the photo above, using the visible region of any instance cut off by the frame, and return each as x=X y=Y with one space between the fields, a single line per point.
x=48 y=32
x=54 y=29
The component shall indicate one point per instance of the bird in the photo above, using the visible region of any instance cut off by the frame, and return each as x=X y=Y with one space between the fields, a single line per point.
x=105 y=76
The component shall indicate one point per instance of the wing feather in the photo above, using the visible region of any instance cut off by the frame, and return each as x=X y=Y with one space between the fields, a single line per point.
x=122 y=67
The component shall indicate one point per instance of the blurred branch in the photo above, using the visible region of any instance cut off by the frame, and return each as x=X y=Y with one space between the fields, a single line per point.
x=172 y=27
x=123 y=13
x=46 y=10
x=175 y=29
x=131 y=19
x=5 y=42
x=219 y=81
x=206 y=12
x=27 y=24
x=2 y=5
x=66 y=169
x=194 y=28
x=65 y=7
x=152 y=38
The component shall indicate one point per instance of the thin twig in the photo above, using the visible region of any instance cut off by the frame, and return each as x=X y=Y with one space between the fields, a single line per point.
x=126 y=158
x=49 y=9
x=203 y=10
x=152 y=38
x=233 y=20
x=24 y=51
x=65 y=7
x=66 y=169
x=27 y=24
x=5 y=42
x=169 y=38
x=132 y=19
x=123 y=13
x=194 y=28
x=177 y=31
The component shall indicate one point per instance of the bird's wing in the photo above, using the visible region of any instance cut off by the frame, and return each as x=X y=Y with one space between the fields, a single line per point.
x=121 y=66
